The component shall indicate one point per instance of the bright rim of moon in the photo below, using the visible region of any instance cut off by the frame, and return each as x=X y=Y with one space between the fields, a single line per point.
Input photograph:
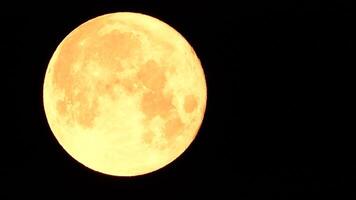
x=124 y=94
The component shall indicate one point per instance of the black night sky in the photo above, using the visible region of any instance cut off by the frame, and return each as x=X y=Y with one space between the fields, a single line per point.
x=278 y=116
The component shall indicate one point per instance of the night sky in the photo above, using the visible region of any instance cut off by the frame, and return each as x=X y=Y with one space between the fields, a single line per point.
x=277 y=123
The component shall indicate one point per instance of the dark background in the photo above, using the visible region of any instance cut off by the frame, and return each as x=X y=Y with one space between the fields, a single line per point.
x=278 y=116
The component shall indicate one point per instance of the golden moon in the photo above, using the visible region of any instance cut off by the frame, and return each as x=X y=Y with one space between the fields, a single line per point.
x=124 y=94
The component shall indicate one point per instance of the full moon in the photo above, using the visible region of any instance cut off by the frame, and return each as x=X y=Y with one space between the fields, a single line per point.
x=124 y=94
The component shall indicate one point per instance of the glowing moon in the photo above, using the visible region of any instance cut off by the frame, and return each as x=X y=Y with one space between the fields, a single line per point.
x=124 y=94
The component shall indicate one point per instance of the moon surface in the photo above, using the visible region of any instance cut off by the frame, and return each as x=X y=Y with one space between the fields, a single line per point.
x=124 y=94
